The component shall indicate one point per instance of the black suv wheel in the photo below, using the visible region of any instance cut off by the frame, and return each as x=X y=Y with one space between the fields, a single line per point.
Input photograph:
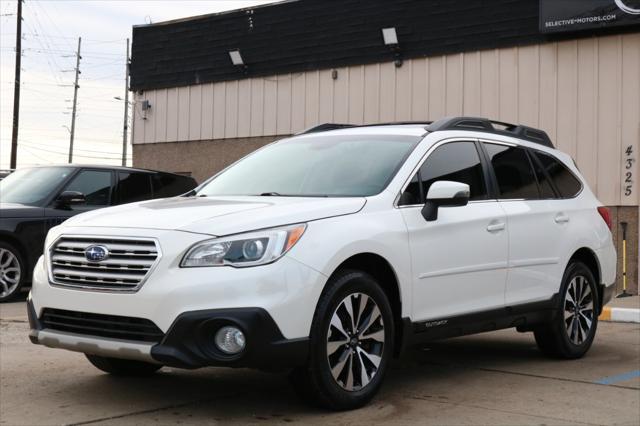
x=12 y=272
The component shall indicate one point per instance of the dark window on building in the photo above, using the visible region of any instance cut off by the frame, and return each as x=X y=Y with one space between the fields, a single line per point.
x=566 y=183
x=95 y=185
x=457 y=162
x=513 y=172
x=166 y=185
x=133 y=187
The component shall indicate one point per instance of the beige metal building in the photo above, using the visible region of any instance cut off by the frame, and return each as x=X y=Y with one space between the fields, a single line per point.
x=582 y=88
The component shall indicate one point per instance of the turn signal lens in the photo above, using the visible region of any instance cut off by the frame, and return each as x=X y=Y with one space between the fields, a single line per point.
x=606 y=216
x=293 y=236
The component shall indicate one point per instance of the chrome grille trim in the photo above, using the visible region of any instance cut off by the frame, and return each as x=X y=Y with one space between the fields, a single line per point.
x=130 y=262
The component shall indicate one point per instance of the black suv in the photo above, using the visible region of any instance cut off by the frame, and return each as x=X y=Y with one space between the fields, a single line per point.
x=33 y=200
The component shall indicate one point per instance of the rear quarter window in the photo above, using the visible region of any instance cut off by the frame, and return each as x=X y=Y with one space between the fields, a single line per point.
x=567 y=184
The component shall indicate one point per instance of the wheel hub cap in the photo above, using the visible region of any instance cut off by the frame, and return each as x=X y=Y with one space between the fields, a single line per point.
x=578 y=310
x=355 y=342
x=9 y=272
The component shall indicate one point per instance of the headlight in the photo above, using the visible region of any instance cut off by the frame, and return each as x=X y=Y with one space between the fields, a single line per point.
x=243 y=250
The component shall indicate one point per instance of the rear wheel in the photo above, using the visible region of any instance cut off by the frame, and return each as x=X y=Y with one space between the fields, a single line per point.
x=123 y=367
x=12 y=272
x=573 y=328
x=351 y=343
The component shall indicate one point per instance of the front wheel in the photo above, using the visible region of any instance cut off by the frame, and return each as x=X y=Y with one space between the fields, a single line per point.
x=351 y=342
x=123 y=367
x=12 y=272
x=572 y=330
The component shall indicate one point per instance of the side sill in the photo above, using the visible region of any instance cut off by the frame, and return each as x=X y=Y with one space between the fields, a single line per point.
x=523 y=317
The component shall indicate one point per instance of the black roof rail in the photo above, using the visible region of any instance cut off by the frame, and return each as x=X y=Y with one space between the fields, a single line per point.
x=491 y=126
x=325 y=127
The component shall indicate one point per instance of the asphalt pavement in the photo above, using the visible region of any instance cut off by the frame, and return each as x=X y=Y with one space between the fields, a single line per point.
x=496 y=378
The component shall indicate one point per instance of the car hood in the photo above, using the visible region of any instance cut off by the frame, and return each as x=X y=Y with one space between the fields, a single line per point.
x=218 y=215
x=19 y=210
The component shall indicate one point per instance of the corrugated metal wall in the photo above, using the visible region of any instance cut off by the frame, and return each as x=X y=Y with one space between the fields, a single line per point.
x=584 y=93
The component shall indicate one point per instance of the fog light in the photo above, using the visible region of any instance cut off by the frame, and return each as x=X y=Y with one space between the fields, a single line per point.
x=230 y=340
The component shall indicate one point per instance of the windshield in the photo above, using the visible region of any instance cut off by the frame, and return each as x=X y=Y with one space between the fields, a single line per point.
x=318 y=166
x=32 y=186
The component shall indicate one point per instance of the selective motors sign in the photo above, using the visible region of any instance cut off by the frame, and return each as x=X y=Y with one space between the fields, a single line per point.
x=573 y=15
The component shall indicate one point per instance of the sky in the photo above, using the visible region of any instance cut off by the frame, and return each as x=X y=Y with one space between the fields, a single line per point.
x=50 y=38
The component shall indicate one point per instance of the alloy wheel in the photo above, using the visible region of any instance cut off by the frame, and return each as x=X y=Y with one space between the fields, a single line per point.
x=578 y=310
x=9 y=272
x=355 y=342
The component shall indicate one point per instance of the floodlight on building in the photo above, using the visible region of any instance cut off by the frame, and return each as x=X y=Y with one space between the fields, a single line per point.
x=390 y=36
x=236 y=58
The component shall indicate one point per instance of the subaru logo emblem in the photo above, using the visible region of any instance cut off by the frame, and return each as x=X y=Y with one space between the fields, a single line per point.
x=96 y=253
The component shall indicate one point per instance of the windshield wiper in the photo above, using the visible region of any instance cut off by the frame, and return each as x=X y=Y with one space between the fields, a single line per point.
x=271 y=194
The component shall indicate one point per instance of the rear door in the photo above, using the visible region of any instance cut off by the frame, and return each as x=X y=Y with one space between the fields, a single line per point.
x=458 y=261
x=537 y=227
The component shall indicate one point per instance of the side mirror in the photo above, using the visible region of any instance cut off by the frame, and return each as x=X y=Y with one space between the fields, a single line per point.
x=70 y=198
x=445 y=194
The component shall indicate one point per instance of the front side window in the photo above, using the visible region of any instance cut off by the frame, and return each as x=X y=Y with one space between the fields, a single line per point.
x=32 y=186
x=567 y=184
x=513 y=172
x=316 y=166
x=457 y=162
x=95 y=185
x=133 y=187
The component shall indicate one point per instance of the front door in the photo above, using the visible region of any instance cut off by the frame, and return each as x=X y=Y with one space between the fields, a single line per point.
x=459 y=261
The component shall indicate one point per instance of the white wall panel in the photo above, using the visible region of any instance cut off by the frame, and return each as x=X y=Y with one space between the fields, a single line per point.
x=172 y=114
x=585 y=94
x=195 y=112
x=206 y=126
x=283 y=118
x=219 y=109
x=244 y=108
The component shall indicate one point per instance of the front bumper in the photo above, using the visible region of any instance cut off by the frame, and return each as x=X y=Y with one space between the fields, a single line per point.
x=274 y=304
x=189 y=342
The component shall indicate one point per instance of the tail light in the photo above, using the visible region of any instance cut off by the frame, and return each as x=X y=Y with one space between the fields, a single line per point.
x=606 y=216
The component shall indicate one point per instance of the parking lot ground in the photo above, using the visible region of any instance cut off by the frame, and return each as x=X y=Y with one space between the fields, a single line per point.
x=494 y=378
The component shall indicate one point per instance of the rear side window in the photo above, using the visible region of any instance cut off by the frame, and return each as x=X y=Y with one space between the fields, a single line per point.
x=133 y=187
x=165 y=185
x=513 y=172
x=546 y=189
x=565 y=182
x=457 y=162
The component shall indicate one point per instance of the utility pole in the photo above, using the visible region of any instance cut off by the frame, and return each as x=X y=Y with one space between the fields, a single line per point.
x=126 y=108
x=16 y=89
x=75 y=102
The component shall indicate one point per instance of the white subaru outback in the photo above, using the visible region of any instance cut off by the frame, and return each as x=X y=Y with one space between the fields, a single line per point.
x=331 y=252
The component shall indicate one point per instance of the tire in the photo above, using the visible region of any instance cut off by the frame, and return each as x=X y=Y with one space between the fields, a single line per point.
x=334 y=376
x=12 y=272
x=123 y=367
x=571 y=331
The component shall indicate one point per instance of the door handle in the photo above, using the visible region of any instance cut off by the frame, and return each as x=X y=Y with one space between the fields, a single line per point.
x=495 y=227
x=562 y=218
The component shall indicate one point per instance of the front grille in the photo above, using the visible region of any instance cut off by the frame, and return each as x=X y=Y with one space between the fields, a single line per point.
x=127 y=328
x=126 y=267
